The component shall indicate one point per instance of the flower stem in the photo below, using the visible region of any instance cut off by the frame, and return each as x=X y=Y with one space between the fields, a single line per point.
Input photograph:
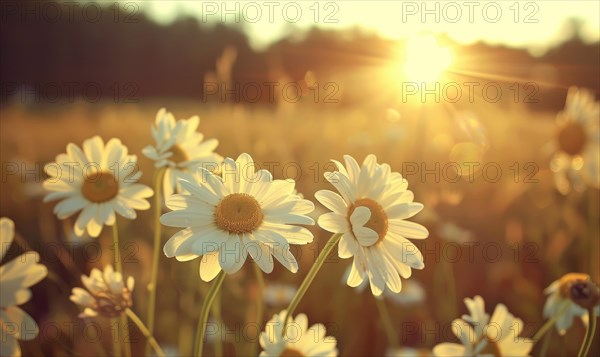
x=208 y=300
x=216 y=312
x=146 y=332
x=387 y=323
x=589 y=334
x=551 y=322
x=122 y=328
x=545 y=344
x=310 y=277
x=158 y=179
x=117 y=255
x=116 y=346
x=259 y=305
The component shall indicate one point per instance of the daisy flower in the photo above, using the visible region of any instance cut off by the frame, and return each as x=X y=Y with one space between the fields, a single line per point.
x=576 y=158
x=408 y=352
x=371 y=212
x=180 y=149
x=244 y=212
x=99 y=181
x=16 y=277
x=412 y=292
x=569 y=297
x=107 y=294
x=299 y=339
x=481 y=336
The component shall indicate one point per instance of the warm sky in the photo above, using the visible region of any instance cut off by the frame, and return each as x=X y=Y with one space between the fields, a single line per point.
x=536 y=25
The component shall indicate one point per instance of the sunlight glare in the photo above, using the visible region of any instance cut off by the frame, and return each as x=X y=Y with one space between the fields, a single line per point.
x=425 y=59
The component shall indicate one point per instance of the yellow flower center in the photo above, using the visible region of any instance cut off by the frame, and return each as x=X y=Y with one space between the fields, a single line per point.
x=572 y=138
x=238 y=213
x=290 y=352
x=179 y=155
x=580 y=289
x=378 y=221
x=100 y=187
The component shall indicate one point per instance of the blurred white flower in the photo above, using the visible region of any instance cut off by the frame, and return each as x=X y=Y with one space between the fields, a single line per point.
x=481 y=336
x=277 y=294
x=244 y=212
x=16 y=277
x=371 y=214
x=450 y=232
x=180 y=148
x=299 y=339
x=576 y=158
x=99 y=181
x=570 y=297
x=106 y=295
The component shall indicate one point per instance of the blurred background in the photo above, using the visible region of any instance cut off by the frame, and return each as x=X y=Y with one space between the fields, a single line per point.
x=422 y=85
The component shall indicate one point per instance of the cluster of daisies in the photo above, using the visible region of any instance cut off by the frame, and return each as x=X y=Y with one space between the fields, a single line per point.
x=226 y=210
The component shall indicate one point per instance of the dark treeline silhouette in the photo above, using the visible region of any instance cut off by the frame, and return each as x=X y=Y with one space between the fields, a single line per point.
x=115 y=51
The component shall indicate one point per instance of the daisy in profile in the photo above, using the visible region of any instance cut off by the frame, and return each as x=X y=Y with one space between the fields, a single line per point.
x=180 y=149
x=105 y=293
x=371 y=212
x=481 y=336
x=244 y=212
x=16 y=277
x=99 y=181
x=569 y=297
x=299 y=339
x=576 y=158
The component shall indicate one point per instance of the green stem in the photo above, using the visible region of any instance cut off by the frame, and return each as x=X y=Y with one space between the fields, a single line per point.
x=589 y=334
x=310 y=277
x=122 y=327
x=116 y=346
x=551 y=321
x=208 y=300
x=216 y=311
x=158 y=179
x=117 y=255
x=259 y=305
x=387 y=323
x=545 y=344
x=146 y=332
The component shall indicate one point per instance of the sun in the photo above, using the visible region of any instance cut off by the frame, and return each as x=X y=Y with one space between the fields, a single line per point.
x=425 y=59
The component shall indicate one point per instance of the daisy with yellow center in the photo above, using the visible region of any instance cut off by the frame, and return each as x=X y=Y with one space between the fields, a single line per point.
x=244 y=212
x=99 y=181
x=569 y=297
x=299 y=339
x=370 y=213
x=576 y=158
x=16 y=277
x=180 y=149
x=226 y=218
x=481 y=336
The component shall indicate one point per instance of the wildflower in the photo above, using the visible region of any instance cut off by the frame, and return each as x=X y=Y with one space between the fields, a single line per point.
x=99 y=181
x=16 y=277
x=576 y=158
x=481 y=336
x=244 y=212
x=299 y=339
x=106 y=295
x=180 y=149
x=571 y=296
x=371 y=214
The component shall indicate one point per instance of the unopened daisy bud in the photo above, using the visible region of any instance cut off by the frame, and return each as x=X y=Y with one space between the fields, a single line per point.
x=580 y=289
x=106 y=293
